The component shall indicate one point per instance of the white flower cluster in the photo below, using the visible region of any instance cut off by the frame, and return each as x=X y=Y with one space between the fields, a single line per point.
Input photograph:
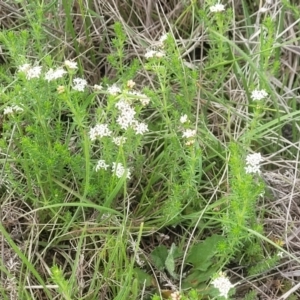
x=188 y=133
x=258 y=95
x=35 y=72
x=154 y=53
x=119 y=140
x=30 y=71
x=158 y=53
x=184 y=119
x=79 y=84
x=72 y=65
x=217 y=8
x=100 y=130
x=117 y=168
x=126 y=118
x=55 y=74
x=140 y=96
x=253 y=163
x=223 y=284
x=114 y=90
x=101 y=164
x=11 y=109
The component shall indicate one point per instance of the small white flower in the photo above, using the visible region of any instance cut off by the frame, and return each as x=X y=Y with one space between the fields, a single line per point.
x=127 y=113
x=223 y=284
x=280 y=254
x=142 y=97
x=113 y=90
x=125 y=121
x=183 y=119
x=97 y=87
x=72 y=65
x=101 y=165
x=33 y=72
x=189 y=142
x=8 y=110
x=140 y=128
x=119 y=170
x=11 y=109
x=122 y=105
x=150 y=54
x=217 y=8
x=24 y=68
x=100 y=130
x=130 y=84
x=253 y=163
x=160 y=54
x=79 y=84
x=252 y=169
x=55 y=74
x=163 y=38
x=119 y=140
x=254 y=159
x=189 y=133
x=258 y=95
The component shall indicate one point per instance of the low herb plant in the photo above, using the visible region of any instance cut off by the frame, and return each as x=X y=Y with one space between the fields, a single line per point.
x=137 y=159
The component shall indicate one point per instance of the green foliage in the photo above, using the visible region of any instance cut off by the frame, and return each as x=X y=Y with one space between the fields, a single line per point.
x=63 y=285
x=202 y=256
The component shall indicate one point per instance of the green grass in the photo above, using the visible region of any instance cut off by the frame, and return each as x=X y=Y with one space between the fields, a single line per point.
x=172 y=206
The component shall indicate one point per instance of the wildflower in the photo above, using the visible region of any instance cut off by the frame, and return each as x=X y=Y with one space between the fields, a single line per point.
x=124 y=121
x=150 y=54
x=258 y=95
x=122 y=104
x=101 y=165
x=144 y=100
x=97 y=87
x=160 y=54
x=190 y=142
x=24 y=68
x=100 y=130
x=119 y=170
x=60 y=89
x=163 y=38
x=183 y=119
x=142 y=97
x=280 y=254
x=154 y=53
x=140 y=128
x=223 y=284
x=253 y=161
x=30 y=72
x=189 y=133
x=130 y=84
x=54 y=74
x=113 y=90
x=175 y=296
x=72 y=65
x=119 y=140
x=126 y=118
x=79 y=84
x=217 y=8
x=11 y=109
